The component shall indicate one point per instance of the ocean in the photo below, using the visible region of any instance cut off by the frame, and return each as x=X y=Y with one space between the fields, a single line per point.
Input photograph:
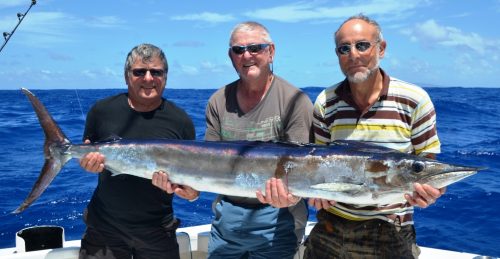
x=464 y=219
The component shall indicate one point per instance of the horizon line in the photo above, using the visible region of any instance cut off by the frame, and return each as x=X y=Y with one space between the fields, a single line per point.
x=187 y=88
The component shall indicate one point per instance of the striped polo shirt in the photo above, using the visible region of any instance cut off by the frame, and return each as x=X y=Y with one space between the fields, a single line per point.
x=403 y=118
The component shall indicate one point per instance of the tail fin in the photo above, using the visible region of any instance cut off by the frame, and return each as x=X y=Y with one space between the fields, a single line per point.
x=54 y=159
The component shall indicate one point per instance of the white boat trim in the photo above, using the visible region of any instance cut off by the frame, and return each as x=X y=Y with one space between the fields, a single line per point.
x=193 y=244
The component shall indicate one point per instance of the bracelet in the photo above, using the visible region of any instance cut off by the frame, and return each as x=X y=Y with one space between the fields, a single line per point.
x=194 y=199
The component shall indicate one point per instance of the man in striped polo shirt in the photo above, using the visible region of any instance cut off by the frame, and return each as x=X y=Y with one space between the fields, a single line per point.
x=371 y=106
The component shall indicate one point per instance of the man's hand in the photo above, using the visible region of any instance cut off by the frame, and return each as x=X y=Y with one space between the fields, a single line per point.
x=277 y=195
x=321 y=203
x=92 y=162
x=160 y=180
x=424 y=195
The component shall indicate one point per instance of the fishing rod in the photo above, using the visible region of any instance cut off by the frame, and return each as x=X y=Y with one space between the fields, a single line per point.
x=20 y=17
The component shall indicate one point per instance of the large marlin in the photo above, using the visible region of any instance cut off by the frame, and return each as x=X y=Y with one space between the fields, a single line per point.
x=345 y=171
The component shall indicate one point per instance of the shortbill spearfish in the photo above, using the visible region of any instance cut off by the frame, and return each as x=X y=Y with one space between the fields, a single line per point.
x=346 y=171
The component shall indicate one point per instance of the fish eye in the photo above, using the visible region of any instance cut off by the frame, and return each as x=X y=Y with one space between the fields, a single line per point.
x=418 y=166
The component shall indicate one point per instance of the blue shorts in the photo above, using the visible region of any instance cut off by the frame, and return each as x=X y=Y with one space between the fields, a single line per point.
x=252 y=231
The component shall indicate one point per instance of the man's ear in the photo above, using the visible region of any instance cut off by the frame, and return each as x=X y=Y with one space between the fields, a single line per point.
x=383 y=45
x=271 y=52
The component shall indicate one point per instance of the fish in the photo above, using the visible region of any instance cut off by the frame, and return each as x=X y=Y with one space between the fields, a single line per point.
x=350 y=172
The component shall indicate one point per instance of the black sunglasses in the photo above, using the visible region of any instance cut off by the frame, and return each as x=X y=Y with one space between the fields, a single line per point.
x=361 y=46
x=140 y=72
x=252 y=48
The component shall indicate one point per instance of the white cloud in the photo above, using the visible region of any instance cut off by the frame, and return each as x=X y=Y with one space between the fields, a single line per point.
x=189 y=70
x=44 y=74
x=466 y=56
x=205 y=17
x=431 y=30
x=59 y=22
x=106 y=22
x=309 y=11
x=202 y=68
x=313 y=11
x=468 y=65
x=109 y=72
x=106 y=72
x=430 y=33
x=45 y=28
x=210 y=67
x=292 y=13
x=12 y=3
x=89 y=74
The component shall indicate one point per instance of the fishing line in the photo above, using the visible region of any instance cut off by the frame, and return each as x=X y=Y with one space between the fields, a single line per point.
x=80 y=104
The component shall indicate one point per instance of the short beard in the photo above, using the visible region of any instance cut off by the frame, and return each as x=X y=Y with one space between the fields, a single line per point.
x=361 y=77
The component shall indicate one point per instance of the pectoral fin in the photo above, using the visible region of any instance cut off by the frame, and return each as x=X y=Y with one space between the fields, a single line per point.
x=113 y=171
x=338 y=187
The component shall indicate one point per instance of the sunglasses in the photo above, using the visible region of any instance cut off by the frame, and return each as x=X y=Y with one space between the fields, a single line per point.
x=252 y=48
x=361 y=46
x=140 y=72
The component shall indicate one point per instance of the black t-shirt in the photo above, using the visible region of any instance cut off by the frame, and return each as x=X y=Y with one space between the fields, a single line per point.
x=128 y=202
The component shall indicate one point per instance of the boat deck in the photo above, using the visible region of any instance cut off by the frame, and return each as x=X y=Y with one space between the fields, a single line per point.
x=193 y=244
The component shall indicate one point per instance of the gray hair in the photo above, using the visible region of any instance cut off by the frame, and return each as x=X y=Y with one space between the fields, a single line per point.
x=146 y=52
x=251 y=26
x=367 y=20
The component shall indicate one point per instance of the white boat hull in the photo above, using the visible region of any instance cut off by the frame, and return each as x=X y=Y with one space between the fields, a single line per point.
x=193 y=244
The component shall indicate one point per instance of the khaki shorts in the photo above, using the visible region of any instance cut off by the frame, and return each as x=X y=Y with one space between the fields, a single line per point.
x=336 y=237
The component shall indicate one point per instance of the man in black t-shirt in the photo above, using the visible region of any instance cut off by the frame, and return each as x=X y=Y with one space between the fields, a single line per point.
x=128 y=216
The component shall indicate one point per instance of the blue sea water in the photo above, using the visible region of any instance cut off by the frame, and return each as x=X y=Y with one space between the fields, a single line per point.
x=464 y=219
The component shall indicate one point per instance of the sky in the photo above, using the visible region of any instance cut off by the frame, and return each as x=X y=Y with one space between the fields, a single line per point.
x=67 y=44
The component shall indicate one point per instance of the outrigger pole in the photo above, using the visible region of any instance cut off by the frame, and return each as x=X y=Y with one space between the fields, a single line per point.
x=20 y=17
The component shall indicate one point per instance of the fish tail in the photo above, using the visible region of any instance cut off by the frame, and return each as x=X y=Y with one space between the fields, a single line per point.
x=55 y=158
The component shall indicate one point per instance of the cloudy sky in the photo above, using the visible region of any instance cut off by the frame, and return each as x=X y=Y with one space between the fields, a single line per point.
x=82 y=44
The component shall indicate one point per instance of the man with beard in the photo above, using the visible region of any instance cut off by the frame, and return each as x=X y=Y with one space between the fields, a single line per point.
x=371 y=106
